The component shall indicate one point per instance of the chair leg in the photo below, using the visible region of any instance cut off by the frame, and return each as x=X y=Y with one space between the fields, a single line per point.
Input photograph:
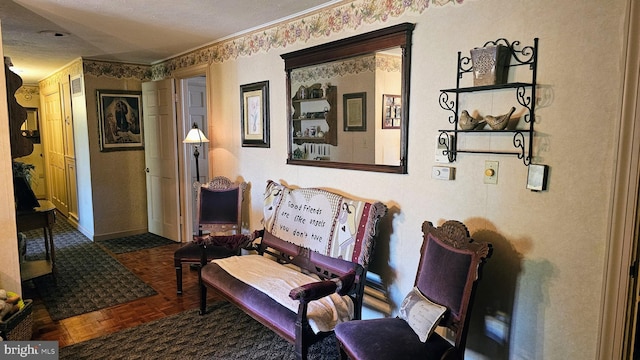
x=179 y=279
x=203 y=293
x=203 y=288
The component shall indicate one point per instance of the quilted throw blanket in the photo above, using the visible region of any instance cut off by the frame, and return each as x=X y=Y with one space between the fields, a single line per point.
x=323 y=314
x=322 y=221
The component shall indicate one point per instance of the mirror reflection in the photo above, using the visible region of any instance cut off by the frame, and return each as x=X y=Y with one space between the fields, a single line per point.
x=348 y=106
x=30 y=127
x=338 y=110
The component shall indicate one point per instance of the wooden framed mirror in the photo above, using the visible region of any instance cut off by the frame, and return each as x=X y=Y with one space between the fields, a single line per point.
x=30 y=128
x=337 y=96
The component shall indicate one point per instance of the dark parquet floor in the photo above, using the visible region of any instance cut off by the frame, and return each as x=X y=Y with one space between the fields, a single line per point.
x=155 y=267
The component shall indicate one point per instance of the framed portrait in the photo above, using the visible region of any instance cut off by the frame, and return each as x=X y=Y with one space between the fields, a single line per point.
x=391 y=111
x=254 y=109
x=120 y=120
x=355 y=114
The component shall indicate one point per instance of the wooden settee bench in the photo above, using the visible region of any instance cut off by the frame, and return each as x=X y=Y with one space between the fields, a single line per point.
x=308 y=270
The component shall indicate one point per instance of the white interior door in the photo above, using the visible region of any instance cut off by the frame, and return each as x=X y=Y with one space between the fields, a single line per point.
x=161 y=158
x=195 y=111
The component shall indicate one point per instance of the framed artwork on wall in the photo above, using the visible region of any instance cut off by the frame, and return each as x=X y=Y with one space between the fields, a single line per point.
x=120 y=120
x=355 y=115
x=391 y=111
x=254 y=110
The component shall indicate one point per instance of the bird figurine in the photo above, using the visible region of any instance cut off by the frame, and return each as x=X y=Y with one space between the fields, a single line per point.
x=468 y=122
x=499 y=122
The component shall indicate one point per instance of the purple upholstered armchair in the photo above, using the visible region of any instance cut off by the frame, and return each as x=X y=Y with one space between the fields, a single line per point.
x=449 y=268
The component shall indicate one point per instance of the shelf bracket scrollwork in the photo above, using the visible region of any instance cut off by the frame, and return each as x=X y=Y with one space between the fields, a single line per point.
x=449 y=105
x=501 y=41
x=523 y=98
x=446 y=140
x=464 y=65
x=524 y=55
x=519 y=144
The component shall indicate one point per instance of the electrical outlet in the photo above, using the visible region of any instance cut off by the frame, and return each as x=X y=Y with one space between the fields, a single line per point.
x=490 y=172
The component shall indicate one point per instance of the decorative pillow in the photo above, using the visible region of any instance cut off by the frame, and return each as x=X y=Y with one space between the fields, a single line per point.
x=421 y=314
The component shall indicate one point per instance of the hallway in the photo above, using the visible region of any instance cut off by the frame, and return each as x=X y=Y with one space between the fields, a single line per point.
x=155 y=267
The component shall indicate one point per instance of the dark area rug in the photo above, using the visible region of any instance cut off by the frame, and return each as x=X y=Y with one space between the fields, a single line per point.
x=134 y=243
x=224 y=333
x=88 y=278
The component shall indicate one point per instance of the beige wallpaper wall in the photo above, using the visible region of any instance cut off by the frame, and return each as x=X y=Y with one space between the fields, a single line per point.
x=546 y=274
x=117 y=177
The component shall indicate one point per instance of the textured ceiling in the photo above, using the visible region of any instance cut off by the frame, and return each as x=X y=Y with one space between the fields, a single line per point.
x=136 y=31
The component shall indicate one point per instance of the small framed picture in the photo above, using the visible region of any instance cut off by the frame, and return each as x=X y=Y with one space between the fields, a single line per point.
x=120 y=120
x=391 y=112
x=355 y=111
x=254 y=109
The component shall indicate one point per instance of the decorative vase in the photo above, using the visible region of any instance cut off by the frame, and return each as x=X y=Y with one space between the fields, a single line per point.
x=302 y=92
x=490 y=65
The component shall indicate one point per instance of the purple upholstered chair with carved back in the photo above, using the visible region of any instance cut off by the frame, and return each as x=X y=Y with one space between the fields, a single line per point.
x=219 y=210
x=448 y=271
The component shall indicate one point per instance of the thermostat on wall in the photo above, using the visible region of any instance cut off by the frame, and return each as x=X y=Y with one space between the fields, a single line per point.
x=537 y=177
x=443 y=173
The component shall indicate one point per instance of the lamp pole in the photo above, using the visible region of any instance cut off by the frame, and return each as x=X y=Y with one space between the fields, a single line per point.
x=196 y=154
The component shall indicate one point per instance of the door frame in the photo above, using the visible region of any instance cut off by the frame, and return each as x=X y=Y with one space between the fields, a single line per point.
x=614 y=340
x=181 y=76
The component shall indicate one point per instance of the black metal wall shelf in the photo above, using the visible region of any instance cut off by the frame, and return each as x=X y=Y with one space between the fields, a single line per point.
x=525 y=93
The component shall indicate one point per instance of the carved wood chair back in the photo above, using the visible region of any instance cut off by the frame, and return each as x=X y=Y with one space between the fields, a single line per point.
x=219 y=204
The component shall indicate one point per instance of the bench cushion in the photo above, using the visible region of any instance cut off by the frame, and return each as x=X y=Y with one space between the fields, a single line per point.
x=251 y=300
x=323 y=314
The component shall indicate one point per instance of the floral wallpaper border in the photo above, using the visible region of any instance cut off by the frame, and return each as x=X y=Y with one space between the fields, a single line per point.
x=352 y=66
x=349 y=15
x=54 y=80
x=117 y=70
x=322 y=23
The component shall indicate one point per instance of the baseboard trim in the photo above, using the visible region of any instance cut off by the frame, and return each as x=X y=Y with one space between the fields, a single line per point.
x=119 y=234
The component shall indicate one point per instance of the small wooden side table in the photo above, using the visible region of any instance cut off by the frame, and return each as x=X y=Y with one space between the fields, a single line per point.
x=42 y=217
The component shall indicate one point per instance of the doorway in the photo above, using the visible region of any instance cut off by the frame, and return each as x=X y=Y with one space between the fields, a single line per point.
x=193 y=108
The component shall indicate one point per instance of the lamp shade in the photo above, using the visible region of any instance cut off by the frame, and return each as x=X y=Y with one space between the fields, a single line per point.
x=195 y=136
